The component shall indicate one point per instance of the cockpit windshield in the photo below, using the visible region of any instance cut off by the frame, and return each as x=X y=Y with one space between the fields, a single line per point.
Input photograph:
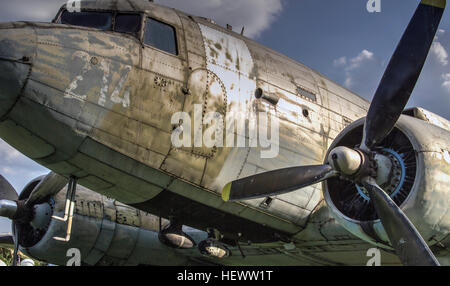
x=127 y=23
x=106 y=21
x=97 y=20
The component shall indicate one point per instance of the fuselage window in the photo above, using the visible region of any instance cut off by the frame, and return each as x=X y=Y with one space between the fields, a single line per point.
x=128 y=23
x=97 y=20
x=306 y=94
x=160 y=36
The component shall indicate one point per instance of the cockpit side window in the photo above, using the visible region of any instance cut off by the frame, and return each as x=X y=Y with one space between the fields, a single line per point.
x=97 y=20
x=107 y=21
x=161 y=36
x=128 y=23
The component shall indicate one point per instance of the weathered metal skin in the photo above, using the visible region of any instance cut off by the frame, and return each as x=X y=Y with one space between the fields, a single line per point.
x=107 y=233
x=17 y=47
x=98 y=106
x=427 y=203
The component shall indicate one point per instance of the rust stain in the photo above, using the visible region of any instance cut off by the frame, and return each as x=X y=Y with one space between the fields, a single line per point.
x=218 y=46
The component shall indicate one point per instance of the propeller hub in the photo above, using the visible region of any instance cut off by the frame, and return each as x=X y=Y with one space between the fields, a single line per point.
x=345 y=160
x=42 y=216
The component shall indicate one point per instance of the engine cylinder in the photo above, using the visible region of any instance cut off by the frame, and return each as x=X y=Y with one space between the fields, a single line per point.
x=418 y=182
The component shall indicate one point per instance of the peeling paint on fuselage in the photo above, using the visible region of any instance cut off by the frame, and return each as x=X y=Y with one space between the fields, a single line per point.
x=115 y=98
x=113 y=91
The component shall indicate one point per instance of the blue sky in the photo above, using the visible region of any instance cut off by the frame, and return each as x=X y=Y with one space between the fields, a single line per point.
x=339 y=39
x=318 y=33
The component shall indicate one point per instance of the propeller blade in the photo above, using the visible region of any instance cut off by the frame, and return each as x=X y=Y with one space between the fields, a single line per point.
x=16 y=245
x=7 y=191
x=50 y=185
x=402 y=72
x=405 y=239
x=276 y=182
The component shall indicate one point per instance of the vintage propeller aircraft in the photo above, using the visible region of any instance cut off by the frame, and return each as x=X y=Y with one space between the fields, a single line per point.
x=92 y=96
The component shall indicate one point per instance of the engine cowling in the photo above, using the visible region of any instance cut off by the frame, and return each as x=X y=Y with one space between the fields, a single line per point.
x=104 y=231
x=418 y=182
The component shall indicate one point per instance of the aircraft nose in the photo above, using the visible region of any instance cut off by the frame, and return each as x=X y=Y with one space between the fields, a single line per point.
x=17 y=48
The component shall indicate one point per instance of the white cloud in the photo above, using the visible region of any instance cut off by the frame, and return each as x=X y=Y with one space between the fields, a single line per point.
x=446 y=83
x=357 y=61
x=352 y=65
x=255 y=15
x=7 y=170
x=30 y=10
x=440 y=53
x=342 y=61
x=348 y=81
x=439 y=33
